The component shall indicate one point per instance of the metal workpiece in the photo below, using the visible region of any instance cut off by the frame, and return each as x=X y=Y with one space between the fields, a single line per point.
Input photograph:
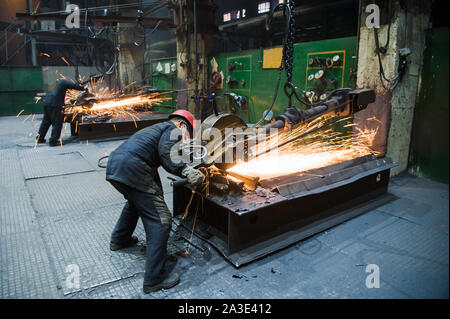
x=281 y=211
x=115 y=127
x=340 y=102
x=99 y=116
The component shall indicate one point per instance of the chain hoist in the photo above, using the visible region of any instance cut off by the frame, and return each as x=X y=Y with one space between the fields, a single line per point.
x=289 y=51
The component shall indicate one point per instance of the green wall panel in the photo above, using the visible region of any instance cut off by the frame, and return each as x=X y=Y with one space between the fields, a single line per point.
x=259 y=84
x=18 y=87
x=164 y=80
x=430 y=145
x=13 y=103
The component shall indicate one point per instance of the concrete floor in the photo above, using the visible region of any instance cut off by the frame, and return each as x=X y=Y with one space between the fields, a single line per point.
x=57 y=212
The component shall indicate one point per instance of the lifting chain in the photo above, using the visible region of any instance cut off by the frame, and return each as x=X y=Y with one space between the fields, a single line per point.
x=289 y=51
x=288 y=56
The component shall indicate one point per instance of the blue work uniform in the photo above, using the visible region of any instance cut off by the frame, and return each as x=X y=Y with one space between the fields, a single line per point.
x=54 y=110
x=132 y=170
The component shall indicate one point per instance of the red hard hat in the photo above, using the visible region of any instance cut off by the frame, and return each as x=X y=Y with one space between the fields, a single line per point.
x=186 y=115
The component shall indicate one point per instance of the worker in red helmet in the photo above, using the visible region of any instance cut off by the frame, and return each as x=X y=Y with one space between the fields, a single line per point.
x=132 y=170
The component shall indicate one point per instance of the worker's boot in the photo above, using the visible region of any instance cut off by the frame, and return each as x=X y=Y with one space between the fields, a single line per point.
x=167 y=283
x=131 y=242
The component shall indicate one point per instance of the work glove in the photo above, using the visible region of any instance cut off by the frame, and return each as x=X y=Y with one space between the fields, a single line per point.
x=194 y=176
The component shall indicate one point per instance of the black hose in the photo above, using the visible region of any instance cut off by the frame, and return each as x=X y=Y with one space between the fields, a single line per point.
x=100 y=159
x=394 y=80
x=286 y=34
x=275 y=94
x=195 y=48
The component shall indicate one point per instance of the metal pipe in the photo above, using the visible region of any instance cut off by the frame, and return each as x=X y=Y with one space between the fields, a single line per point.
x=6 y=44
x=33 y=40
x=195 y=47
x=357 y=35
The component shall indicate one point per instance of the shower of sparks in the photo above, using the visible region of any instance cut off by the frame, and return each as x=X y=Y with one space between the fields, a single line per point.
x=37 y=7
x=36 y=140
x=312 y=149
x=126 y=101
x=26 y=118
x=64 y=59
x=110 y=101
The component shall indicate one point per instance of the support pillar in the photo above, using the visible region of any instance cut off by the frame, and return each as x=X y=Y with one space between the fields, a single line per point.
x=131 y=62
x=192 y=69
x=393 y=108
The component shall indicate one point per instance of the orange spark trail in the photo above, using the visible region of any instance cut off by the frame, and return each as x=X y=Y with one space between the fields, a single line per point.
x=313 y=151
x=64 y=59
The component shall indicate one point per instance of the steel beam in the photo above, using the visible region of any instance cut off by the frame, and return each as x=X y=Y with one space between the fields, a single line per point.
x=119 y=19
x=249 y=226
x=117 y=127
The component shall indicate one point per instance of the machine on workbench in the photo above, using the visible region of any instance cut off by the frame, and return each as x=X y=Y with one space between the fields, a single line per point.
x=120 y=115
x=247 y=217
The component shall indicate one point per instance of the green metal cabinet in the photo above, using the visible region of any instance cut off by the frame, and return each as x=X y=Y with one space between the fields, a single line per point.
x=18 y=87
x=161 y=75
x=248 y=78
x=429 y=144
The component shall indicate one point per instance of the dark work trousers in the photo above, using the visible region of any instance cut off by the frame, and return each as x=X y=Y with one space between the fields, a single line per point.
x=52 y=116
x=157 y=221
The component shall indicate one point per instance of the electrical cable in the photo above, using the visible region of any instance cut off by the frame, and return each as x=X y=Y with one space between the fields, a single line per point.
x=99 y=164
x=383 y=77
x=287 y=17
x=287 y=58
x=112 y=7
x=396 y=79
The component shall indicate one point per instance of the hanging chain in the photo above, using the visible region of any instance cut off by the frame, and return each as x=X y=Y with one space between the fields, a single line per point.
x=289 y=52
x=288 y=57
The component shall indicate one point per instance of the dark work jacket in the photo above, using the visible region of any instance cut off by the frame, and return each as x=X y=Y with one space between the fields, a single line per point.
x=135 y=161
x=57 y=96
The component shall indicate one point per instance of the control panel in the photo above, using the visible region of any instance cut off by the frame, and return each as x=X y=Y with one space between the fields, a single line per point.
x=238 y=77
x=324 y=72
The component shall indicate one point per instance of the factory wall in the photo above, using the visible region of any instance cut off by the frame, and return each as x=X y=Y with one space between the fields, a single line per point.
x=429 y=153
x=411 y=34
x=51 y=74
x=20 y=84
x=8 y=9
x=395 y=108
x=18 y=87
x=162 y=74
x=131 y=58
x=255 y=79
x=259 y=77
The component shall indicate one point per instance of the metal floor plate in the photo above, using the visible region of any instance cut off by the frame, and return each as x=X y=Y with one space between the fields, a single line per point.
x=72 y=193
x=42 y=164
x=83 y=239
x=26 y=271
x=11 y=176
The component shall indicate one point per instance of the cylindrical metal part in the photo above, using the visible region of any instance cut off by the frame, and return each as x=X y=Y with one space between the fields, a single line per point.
x=315 y=111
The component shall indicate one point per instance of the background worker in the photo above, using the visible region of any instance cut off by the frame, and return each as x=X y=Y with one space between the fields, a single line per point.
x=132 y=170
x=54 y=111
